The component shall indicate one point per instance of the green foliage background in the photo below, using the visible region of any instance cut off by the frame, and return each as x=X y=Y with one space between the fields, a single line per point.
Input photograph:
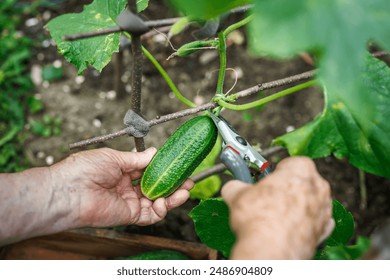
x=15 y=87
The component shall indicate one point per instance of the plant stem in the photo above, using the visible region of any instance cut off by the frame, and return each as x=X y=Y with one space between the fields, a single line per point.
x=267 y=99
x=136 y=84
x=363 y=189
x=168 y=79
x=222 y=62
x=118 y=71
x=237 y=25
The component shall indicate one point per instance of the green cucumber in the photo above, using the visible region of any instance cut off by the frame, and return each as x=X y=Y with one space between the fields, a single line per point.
x=190 y=48
x=178 y=157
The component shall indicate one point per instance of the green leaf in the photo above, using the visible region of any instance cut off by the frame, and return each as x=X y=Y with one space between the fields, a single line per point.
x=206 y=9
x=211 y=219
x=352 y=125
x=38 y=127
x=47 y=119
x=56 y=131
x=35 y=105
x=206 y=188
x=211 y=185
x=142 y=5
x=51 y=73
x=96 y=51
x=284 y=28
x=179 y=26
x=57 y=121
x=338 y=39
x=344 y=252
x=11 y=118
x=6 y=154
x=159 y=255
x=336 y=245
x=344 y=227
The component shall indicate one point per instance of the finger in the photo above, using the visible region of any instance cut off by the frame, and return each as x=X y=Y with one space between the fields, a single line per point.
x=136 y=174
x=327 y=231
x=134 y=161
x=177 y=198
x=138 y=191
x=301 y=165
x=187 y=185
x=231 y=189
x=159 y=210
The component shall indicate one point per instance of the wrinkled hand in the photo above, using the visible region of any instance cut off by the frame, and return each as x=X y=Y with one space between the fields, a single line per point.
x=102 y=181
x=283 y=216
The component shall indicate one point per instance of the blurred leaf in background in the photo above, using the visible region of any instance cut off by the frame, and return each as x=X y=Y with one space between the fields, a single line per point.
x=52 y=73
x=15 y=87
x=142 y=5
x=211 y=185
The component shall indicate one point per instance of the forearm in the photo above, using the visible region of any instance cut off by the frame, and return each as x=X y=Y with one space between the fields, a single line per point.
x=33 y=204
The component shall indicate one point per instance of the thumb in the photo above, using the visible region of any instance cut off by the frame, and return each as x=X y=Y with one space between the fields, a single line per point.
x=137 y=160
x=231 y=190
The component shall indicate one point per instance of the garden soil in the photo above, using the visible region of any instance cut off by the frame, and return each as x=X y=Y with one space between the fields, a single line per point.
x=89 y=107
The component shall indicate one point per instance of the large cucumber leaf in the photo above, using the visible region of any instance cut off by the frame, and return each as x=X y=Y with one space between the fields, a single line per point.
x=336 y=245
x=96 y=51
x=353 y=125
x=345 y=225
x=211 y=219
x=336 y=31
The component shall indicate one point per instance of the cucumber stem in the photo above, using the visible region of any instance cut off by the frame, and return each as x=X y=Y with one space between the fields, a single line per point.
x=266 y=99
x=222 y=62
x=237 y=25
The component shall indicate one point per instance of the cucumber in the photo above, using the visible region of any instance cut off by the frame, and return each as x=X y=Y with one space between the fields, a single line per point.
x=178 y=157
x=190 y=48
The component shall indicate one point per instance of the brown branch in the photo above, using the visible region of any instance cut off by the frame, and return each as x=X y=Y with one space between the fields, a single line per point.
x=151 y=24
x=207 y=106
x=73 y=37
x=98 y=139
x=380 y=53
x=216 y=169
x=136 y=84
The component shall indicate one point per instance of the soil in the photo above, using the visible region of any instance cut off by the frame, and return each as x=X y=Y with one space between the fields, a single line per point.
x=88 y=107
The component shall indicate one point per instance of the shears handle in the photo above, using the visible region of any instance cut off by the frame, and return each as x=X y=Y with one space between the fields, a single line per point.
x=235 y=164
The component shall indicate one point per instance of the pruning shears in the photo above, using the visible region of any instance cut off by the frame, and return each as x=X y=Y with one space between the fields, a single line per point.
x=240 y=158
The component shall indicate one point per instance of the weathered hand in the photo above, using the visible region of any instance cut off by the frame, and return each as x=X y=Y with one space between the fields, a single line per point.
x=103 y=182
x=283 y=216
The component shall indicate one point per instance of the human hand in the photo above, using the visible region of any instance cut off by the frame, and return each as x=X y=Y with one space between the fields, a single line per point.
x=284 y=216
x=102 y=183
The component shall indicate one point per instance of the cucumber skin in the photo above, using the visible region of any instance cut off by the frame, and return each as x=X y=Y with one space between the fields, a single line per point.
x=177 y=159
